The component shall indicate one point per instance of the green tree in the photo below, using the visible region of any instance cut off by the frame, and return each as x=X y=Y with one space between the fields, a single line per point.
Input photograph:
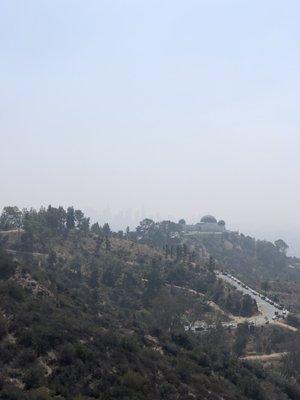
x=154 y=281
x=99 y=241
x=3 y=327
x=291 y=362
x=281 y=246
x=248 y=306
x=107 y=244
x=96 y=229
x=169 y=309
x=82 y=223
x=134 y=381
x=241 y=339
x=265 y=286
x=106 y=229
x=94 y=277
x=85 y=225
x=55 y=218
x=70 y=218
x=11 y=218
x=7 y=266
x=34 y=377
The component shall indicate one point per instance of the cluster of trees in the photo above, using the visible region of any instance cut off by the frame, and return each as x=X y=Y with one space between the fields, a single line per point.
x=233 y=300
x=159 y=234
x=11 y=218
x=252 y=260
x=52 y=218
x=180 y=251
x=8 y=266
x=50 y=221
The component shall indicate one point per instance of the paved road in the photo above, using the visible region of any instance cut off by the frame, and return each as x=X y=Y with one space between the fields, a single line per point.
x=266 y=308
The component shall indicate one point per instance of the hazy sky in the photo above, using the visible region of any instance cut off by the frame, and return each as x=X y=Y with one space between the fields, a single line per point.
x=179 y=108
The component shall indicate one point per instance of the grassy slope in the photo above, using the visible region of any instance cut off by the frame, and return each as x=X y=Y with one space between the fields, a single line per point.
x=87 y=324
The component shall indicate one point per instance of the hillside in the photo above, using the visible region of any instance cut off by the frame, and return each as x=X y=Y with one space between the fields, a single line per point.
x=91 y=314
x=262 y=264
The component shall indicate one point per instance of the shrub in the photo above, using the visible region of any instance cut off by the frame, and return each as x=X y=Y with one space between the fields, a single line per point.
x=167 y=389
x=10 y=392
x=13 y=290
x=3 y=327
x=34 y=377
x=133 y=380
x=7 y=266
x=27 y=356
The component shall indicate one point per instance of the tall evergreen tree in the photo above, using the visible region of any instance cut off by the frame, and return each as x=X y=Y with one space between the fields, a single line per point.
x=70 y=219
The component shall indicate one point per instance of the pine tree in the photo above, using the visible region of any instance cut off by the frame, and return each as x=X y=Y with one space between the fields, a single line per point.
x=70 y=220
x=107 y=244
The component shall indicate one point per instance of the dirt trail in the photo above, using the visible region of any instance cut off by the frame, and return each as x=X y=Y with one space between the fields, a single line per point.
x=27 y=252
x=264 y=357
x=192 y=291
x=12 y=231
x=282 y=325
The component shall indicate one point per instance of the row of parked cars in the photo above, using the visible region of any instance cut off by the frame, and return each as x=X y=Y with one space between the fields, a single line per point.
x=255 y=293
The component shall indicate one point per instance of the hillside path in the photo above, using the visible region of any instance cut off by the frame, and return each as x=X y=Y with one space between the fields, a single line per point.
x=265 y=357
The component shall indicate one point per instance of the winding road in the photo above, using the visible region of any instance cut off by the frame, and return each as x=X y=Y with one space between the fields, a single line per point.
x=269 y=311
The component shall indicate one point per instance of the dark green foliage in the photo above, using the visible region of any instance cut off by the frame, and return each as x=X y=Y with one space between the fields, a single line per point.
x=34 y=377
x=26 y=357
x=42 y=225
x=134 y=382
x=154 y=281
x=11 y=218
x=95 y=228
x=106 y=230
x=160 y=234
x=3 y=327
x=292 y=359
x=281 y=245
x=233 y=300
x=7 y=266
x=11 y=392
x=294 y=320
x=241 y=339
x=247 y=306
x=13 y=291
x=265 y=286
x=70 y=218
